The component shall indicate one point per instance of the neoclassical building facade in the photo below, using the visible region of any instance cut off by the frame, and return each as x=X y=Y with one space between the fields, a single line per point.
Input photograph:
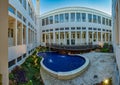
x=75 y=26
x=22 y=30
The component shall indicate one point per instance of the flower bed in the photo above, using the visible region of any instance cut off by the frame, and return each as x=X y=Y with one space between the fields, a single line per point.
x=29 y=72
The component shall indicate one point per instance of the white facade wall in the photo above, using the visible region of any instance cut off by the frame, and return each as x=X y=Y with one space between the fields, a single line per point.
x=75 y=24
x=16 y=50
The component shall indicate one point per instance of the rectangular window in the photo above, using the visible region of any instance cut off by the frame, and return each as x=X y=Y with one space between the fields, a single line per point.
x=61 y=28
x=99 y=19
x=78 y=17
x=24 y=55
x=84 y=17
x=99 y=29
x=56 y=29
x=56 y=19
x=11 y=63
x=83 y=28
x=43 y=22
x=24 y=4
x=106 y=21
x=19 y=58
x=90 y=28
x=103 y=20
x=61 y=18
x=94 y=19
x=78 y=28
x=72 y=17
x=78 y=35
x=51 y=29
x=47 y=21
x=51 y=19
x=19 y=15
x=89 y=17
x=20 y=1
x=109 y=22
x=72 y=28
x=66 y=17
x=24 y=19
x=51 y=35
x=67 y=28
x=11 y=9
x=94 y=28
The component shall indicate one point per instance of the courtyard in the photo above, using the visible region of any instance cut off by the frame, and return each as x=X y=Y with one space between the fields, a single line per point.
x=102 y=67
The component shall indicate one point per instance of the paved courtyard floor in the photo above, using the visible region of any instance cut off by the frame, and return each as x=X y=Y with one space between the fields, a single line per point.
x=101 y=67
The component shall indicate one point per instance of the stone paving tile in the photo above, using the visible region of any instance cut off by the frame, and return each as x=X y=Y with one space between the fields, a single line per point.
x=101 y=64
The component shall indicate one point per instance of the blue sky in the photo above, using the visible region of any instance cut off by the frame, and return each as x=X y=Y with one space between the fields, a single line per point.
x=48 y=5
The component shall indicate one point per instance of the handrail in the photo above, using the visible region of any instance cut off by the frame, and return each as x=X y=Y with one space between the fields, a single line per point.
x=73 y=47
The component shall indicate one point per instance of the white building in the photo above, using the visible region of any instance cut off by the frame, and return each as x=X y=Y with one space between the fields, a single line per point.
x=116 y=32
x=22 y=30
x=75 y=26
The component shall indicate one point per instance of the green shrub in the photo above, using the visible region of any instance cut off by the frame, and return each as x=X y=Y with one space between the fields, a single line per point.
x=11 y=76
x=104 y=50
x=106 y=45
x=30 y=59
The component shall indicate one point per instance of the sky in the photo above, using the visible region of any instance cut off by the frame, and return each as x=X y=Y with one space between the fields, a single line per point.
x=48 y=5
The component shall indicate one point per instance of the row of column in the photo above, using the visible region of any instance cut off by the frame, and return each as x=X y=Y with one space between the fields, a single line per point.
x=19 y=34
x=85 y=37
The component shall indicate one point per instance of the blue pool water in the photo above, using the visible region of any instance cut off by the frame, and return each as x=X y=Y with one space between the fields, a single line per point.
x=61 y=62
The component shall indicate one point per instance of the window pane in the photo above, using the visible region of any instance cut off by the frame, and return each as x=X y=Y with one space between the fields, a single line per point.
x=11 y=9
x=83 y=17
x=94 y=18
x=72 y=17
x=56 y=19
x=106 y=21
x=66 y=17
x=24 y=4
x=99 y=19
x=43 y=22
x=51 y=19
x=78 y=17
x=109 y=22
x=103 y=20
x=47 y=21
x=89 y=17
x=61 y=18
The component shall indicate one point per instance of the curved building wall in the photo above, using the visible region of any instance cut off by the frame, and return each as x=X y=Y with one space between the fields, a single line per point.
x=75 y=26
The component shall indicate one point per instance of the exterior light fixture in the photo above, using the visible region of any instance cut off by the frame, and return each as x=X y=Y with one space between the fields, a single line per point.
x=106 y=81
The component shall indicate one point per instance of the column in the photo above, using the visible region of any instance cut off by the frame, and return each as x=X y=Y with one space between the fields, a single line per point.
x=81 y=37
x=15 y=32
x=59 y=37
x=87 y=37
x=69 y=37
x=92 y=37
x=45 y=38
x=54 y=37
x=49 y=37
x=4 y=41
x=64 y=38
x=75 y=37
x=22 y=34
x=101 y=36
x=105 y=37
x=108 y=37
x=97 y=36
